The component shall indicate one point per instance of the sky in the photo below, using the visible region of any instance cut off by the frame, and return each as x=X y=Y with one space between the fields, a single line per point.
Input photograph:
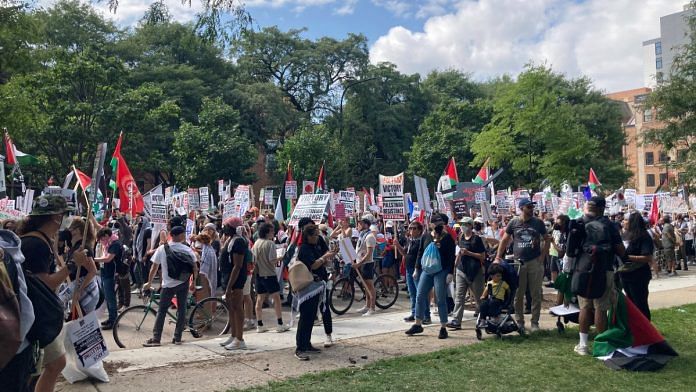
x=600 y=39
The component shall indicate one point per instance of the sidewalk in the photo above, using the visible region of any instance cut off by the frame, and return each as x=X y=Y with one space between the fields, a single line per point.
x=205 y=366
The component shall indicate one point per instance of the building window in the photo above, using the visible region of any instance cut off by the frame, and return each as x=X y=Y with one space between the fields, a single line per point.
x=650 y=180
x=659 y=77
x=658 y=63
x=647 y=115
x=658 y=48
x=649 y=158
x=663 y=157
x=663 y=178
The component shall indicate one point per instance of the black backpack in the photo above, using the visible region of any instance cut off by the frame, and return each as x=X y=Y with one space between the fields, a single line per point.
x=593 y=261
x=179 y=265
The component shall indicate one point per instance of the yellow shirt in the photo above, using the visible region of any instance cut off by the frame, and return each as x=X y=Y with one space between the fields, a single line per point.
x=499 y=290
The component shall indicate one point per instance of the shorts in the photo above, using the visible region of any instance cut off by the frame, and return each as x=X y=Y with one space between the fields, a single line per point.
x=368 y=271
x=267 y=285
x=388 y=260
x=669 y=253
x=603 y=303
x=55 y=349
x=555 y=264
x=247 y=286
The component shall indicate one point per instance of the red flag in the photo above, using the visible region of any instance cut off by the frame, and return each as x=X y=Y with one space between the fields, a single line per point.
x=82 y=179
x=654 y=210
x=451 y=170
x=130 y=196
x=593 y=182
x=321 y=182
x=10 y=157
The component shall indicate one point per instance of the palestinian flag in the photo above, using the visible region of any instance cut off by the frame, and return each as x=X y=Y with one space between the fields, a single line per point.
x=83 y=180
x=321 y=182
x=128 y=193
x=13 y=156
x=449 y=178
x=654 y=210
x=483 y=174
x=593 y=182
x=284 y=205
x=631 y=342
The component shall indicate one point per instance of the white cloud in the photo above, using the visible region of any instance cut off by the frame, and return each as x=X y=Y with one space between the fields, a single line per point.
x=597 y=38
x=400 y=8
x=347 y=8
x=432 y=8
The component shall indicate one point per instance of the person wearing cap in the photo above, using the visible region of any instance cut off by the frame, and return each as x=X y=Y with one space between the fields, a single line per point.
x=36 y=233
x=469 y=275
x=109 y=262
x=171 y=286
x=595 y=310
x=527 y=234
x=411 y=248
x=367 y=242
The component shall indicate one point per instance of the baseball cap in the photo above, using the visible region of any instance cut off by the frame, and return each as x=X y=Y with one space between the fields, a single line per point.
x=524 y=202
x=374 y=228
x=177 y=230
x=50 y=205
x=176 y=221
x=466 y=221
x=389 y=223
x=597 y=201
x=210 y=226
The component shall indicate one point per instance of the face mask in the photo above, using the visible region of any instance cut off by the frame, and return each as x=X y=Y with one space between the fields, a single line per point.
x=557 y=227
x=439 y=228
x=466 y=229
x=59 y=222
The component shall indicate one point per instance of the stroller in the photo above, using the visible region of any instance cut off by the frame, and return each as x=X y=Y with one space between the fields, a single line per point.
x=506 y=323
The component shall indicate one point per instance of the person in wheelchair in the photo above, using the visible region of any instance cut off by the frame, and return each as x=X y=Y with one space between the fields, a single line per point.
x=496 y=296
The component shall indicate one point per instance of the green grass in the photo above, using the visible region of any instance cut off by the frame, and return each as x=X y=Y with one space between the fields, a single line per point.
x=542 y=362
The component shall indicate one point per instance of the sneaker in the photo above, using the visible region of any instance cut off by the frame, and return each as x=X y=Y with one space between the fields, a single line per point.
x=242 y=345
x=363 y=309
x=313 y=350
x=534 y=328
x=427 y=321
x=261 y=329
x=521 y=329
x=369 y=313
x=415 y=328
x=301 y=356
x=249 y=325
x=409 y=319
x=328 y=342
x=454 y=325
x=152 y=343
x=581 y=350
x=282 y=328
x=443 y=334
x=235 y=345
x=228 y=341
x=528 y=311
x=177 y=341
x=108 y=326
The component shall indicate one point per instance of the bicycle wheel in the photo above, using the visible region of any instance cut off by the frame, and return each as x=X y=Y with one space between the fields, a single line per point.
x=342 y=294
x=209 y=317
x=386 y=291
x=134 y=326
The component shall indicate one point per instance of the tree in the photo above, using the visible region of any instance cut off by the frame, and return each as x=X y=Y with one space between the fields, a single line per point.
x=308 y=72
x=675 y=104
x=214 y=149
x=18 y=33
x=307 y=149
x=551 y=128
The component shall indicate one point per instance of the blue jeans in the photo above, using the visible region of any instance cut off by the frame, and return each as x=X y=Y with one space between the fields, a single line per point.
x=109 y=283
x=412 y=285
x=426 y=282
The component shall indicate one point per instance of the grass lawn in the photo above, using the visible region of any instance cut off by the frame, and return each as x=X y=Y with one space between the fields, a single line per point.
x=542 y=362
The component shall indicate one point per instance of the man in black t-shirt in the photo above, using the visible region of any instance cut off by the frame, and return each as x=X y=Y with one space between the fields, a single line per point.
x=530 y=247
x=411 y=247
x=110 y=261
x=469 y=271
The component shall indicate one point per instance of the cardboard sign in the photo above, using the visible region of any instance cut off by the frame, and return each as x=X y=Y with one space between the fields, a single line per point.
x=348 y=253
x=268 y=197
x=291 y=190
x=347 y=198
x=391 y=186
x=204 y=199
x=393 y=208
x=459 y=207
x=471 y=192
x=340 y=211
x=242 y=198
x=194 y=202
x=158 y=209
x=180 y=203
x=229 y=209
x=168 y=194
x=310 y=206
x=422 y=193
x=307 y=187
x=86 y=338
x=221 y=187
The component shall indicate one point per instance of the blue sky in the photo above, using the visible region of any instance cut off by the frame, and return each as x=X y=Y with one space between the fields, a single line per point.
x=601 y=39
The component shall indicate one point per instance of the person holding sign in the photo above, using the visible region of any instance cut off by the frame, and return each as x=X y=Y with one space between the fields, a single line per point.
x=367 y=243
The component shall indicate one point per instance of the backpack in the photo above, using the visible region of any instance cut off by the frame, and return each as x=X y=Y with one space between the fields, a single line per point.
x=430 y=262
x=179 y=264
x=589 y=275
x=10 y=339
x=299 y=275
x=48 y=308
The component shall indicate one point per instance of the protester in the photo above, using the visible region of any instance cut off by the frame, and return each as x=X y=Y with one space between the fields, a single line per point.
x=669 y=242
x=469 y=271
x=85 y=290
x=444 y=242
x=234 y=250
x=266 y=279
x=411 y=248
x=177 y=254
x=526 y=233
x=558 y=239
x=365 y=264
x=209 y=265
x=36 y=233
x=595 y=309
x=635 y=274
x=112 y=257
x=142 y=244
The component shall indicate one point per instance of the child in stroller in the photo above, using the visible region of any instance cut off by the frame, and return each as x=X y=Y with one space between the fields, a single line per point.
x=496 y=300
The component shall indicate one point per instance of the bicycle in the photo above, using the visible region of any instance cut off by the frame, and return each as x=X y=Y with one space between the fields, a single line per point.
x=342 y=294
x=207 y=318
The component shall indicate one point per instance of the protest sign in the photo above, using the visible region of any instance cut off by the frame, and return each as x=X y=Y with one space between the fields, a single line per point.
x=391 y=186
x=291 y=190
x=347 y=198
x=340 y=211
x=229 y=209
x=204 y=199
x=486 y=211
x=97 y=172
x=393 y=208
x=87 y=340
x=630 y=198
x=190 y=225
x=268 y=197
x=168 y=194
x=193 y=199
x=348 y=252
x=459 y=207
x=422 y=193
x=221 y=187
x=158 y=209
x=180 y=203
x=391 y=192
x=471 y=192
x=307 y=187
x=441 y=205
x=242 y=198
x=310 y=206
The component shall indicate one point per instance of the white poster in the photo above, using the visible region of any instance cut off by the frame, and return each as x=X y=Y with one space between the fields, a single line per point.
x=310 y=206
x=204 y=199
x=158 y=210
x=347 y=198
x=391 y=189
x=422 y=193
x=193 y=199
x=242 y=198
x=291 y=190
